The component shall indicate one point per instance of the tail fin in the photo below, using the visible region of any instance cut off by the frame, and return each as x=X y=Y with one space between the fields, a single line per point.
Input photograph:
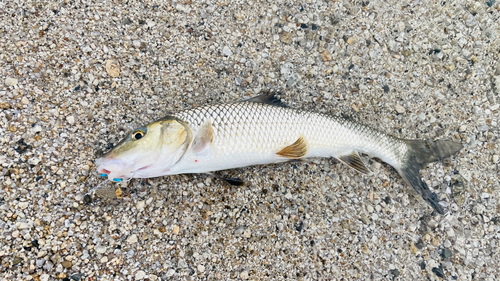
x=421 y=152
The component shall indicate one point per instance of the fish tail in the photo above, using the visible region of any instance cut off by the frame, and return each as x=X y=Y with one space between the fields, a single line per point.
x=421 y=152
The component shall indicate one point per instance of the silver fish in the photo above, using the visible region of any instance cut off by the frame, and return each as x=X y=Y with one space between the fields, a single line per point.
x=261 y=131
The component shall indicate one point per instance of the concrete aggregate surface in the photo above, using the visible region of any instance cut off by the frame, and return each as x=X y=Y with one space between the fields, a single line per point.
x=76 y=76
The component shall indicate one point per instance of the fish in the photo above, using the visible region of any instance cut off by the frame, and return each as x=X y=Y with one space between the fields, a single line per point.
x=263 y=130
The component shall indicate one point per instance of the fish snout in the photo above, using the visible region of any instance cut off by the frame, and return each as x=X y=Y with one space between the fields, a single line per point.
x=111 y=167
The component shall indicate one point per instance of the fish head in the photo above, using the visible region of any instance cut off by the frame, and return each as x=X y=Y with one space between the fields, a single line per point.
x=147 y=151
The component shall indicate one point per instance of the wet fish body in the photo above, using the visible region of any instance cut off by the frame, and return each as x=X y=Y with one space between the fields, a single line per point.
x=261 y=131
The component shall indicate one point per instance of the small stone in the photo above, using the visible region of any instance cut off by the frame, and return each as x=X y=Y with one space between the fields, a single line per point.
x=294 y=79
x=61 y=275
x=44 y=277
x=446 y=253
x=463 y=128
x=25 y=100
x=392 y=45
x=176 y=229
x=70 y=119
x=413 y=249
x=67 y=264
x=170 y=272
x=244 y=275
x=495 y=159
x=201 y=268
x=104 y=259
x=132 y=239
x=23 y=225
x=394 y=272
x=326 y=56
x=17 y=260
x=37 y=129
x=286 y=37
x=100 y=249
x=247 y=233
x=386 y=89
x=449 y=67
x=77 y=276
x=239 y=15
x=113 y=68
x=139 y=275
x=140 y=205
x=400 y=109
x=23 y=205
x=470 y=21
x=10 y=81
x=226 y=51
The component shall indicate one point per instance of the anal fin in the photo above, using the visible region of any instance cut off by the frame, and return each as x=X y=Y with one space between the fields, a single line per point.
x=296 y=150
x=354 y=161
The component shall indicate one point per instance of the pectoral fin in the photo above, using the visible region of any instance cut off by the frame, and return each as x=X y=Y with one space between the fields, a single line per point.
x=354 y=161
x=296 y=150
x=204 y=137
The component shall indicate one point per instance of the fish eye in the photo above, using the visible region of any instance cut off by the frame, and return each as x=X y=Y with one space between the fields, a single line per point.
x=137 y=135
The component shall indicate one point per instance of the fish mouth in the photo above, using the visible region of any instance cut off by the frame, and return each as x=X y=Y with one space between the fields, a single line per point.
x=113 y=168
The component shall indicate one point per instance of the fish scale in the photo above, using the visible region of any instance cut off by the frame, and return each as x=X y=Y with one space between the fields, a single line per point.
x=263 y=128
x=261 y=131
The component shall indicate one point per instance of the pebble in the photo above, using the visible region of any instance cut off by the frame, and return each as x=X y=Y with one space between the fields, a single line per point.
x=100 y=249
x=170 y=272
x=326 y=56
x=23 y=225
x=140 y=205
x=67 y=264
x=286 y=37
x=70 y=119
x=132 y=239
x=226 y=51
x=113 y=67
x=9 y=81
x=446 y=253
x=176 y=229
x=244 y=275
x=400 y=109
x=291 y=77
x=44 y=277
x=495 y=159
x=139 y=275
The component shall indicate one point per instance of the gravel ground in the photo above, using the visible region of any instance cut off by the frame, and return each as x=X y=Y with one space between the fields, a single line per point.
x=77 y=75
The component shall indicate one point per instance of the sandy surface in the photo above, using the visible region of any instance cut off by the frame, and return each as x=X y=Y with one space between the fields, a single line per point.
x=76 y=76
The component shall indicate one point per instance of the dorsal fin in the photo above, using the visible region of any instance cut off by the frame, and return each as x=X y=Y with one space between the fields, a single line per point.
x=296 y=150
x=354 y=161
x=267 y=98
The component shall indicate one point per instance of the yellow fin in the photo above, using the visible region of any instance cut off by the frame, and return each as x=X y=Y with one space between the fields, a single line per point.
x=296 y=150
x=204 y=137
x=354 y=161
